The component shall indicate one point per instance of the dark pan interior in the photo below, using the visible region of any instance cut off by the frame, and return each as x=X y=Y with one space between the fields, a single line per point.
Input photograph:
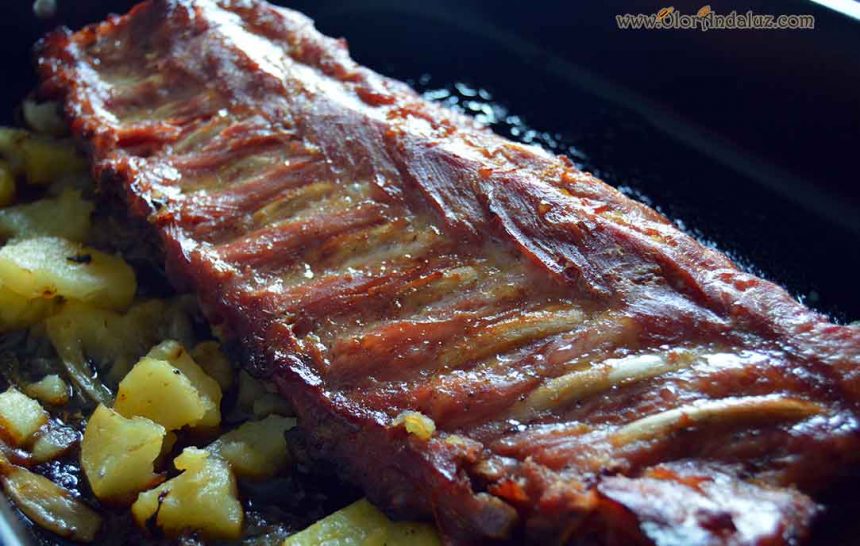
x=748 y=139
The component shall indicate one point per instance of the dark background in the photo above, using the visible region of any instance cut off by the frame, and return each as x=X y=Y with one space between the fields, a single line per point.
x=749 y=139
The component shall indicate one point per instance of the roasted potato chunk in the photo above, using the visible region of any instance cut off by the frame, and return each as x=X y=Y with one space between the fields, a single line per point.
x=151 y=383
x=39 y=158
x=202 y=499
x=255 y=399
x=118 y=454
x=49 y=266
x=52 y=441
x=361 y=524
x=210 y=394
x=214 y=362
x=51 y=390
x=18 y=312
x=20 y=416
x=257 y=449
x=66 y=215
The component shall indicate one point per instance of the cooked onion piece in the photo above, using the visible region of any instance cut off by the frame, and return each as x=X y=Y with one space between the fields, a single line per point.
x=49 y=505
x=44 y=117
x=258 y=399
x=83 y=334
x=72 y=331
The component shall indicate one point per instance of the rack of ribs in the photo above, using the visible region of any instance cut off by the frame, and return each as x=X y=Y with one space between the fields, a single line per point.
x=471 y=329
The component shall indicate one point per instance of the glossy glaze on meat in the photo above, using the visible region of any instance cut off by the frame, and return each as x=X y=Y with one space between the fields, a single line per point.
x=593 y=373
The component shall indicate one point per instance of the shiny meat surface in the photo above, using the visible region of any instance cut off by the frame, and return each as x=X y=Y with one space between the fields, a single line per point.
x=593 y=374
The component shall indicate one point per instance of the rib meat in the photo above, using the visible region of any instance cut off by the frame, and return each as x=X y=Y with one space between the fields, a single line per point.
x=593 y=374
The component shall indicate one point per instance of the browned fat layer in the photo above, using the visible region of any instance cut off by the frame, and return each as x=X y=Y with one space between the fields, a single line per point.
x=377 y=254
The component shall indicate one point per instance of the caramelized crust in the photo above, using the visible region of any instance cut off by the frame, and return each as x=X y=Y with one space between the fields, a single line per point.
x=593 y=373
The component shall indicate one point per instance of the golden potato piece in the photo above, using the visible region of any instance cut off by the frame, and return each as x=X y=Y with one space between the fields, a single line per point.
x=159 y=391
x=361 y=524
x=66 y=215
x=52 y=441
x=257 y=449
x=7 y=184
x=49 y=266
x=210 y=392
x=118 y=454
x=18 y=312
x=202 y=499
x=214 y=362
x=41 y=159
x=20 y=416
x=51 y=389
x=49 y=505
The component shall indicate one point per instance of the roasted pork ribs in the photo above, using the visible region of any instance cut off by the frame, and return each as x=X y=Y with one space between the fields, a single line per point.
x=472 y=329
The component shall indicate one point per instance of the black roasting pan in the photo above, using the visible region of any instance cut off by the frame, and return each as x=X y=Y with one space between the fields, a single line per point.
x=749 y=139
